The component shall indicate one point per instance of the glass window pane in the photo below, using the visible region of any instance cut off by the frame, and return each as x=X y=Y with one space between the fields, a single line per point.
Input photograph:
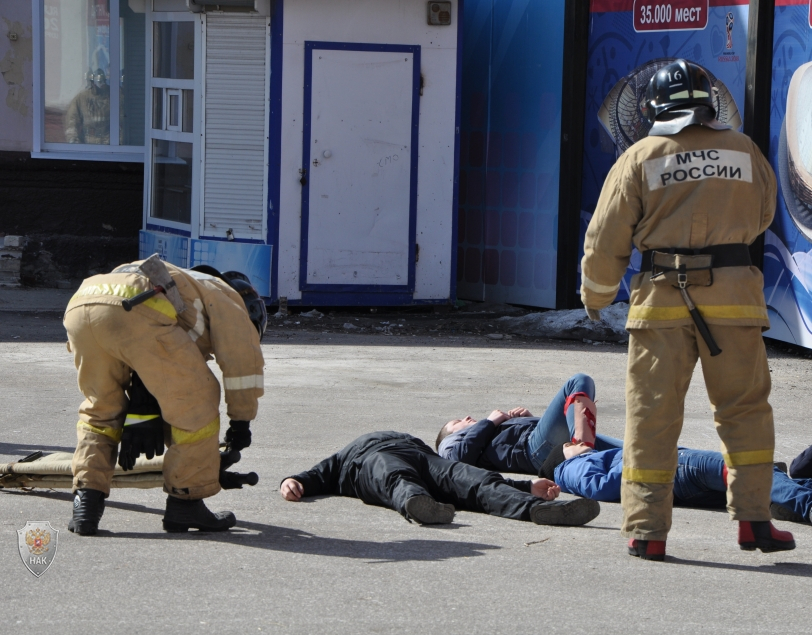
x=133 y=67
x=174 y=108
x=77 y=71
x=188 y=110
x=172 y=180
x=158 y=108
x=173 y=50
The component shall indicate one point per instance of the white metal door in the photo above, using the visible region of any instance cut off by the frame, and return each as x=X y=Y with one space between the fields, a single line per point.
x=359 y=193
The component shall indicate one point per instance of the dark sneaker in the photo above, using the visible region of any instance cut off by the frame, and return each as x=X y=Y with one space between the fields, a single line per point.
x=570 y=512
x=763 y=535
x=779 y=512
x=427 y=511
x=647 y=549
x=88 y=507
x=183 y=515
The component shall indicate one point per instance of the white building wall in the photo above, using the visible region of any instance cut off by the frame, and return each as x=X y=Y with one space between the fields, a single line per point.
x=16 y=77
x=379 y=22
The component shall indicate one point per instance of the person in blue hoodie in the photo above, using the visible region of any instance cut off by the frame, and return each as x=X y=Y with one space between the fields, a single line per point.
x=700 y=480
x=516 y=441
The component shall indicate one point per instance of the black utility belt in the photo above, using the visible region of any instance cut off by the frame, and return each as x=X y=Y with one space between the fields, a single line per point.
x=733 y=255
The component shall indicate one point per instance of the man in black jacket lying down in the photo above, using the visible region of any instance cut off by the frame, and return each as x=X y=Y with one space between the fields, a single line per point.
x=399 y=471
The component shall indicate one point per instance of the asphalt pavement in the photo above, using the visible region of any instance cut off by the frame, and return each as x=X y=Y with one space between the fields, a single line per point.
x=335 y=565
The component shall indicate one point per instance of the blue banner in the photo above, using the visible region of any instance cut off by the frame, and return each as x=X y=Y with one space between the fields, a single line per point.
x=788 y=242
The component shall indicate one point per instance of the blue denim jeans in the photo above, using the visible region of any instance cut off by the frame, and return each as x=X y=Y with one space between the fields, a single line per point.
x=555 y=428
x=699 y=483
x=792 y=493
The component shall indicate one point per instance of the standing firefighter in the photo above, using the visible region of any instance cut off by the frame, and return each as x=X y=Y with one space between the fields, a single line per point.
x=691 y=197
x=159 y=347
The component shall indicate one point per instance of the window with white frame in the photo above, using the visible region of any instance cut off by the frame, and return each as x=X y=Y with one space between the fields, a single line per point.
x=90 y=79
x=172 y=152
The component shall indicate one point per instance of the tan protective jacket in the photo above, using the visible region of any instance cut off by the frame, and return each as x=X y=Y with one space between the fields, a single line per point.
x=215 y=319
x=696 y=188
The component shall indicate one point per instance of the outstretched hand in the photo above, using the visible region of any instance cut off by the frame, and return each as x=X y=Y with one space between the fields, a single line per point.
x=291 y=490
x=544 y=488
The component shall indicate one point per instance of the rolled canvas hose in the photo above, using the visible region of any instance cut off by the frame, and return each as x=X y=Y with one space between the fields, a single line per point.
x=53 y=471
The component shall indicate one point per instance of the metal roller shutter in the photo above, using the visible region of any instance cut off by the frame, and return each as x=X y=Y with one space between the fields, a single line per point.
x=235 y=116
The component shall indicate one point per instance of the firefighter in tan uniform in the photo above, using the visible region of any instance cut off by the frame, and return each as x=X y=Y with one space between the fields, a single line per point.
x=690 y=197
x=159 y=348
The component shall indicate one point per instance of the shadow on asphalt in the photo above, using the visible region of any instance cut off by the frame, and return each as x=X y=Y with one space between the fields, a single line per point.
x=291 y=540
x=796 y=569
x=13 y=449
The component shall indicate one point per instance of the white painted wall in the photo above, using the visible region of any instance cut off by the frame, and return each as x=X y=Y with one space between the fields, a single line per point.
x=16 y=77
x=382 y=22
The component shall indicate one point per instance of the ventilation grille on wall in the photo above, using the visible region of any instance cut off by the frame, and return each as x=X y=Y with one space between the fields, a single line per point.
x=235 y=115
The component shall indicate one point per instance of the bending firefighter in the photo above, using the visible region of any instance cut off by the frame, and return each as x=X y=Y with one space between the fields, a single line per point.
x=690 y=197
x=149 y=328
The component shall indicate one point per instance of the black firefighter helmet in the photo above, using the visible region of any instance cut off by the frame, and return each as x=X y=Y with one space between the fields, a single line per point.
x=242 y=285
x=678 y=85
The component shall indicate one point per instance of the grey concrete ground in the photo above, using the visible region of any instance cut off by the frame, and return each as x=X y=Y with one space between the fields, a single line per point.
x=334 y=565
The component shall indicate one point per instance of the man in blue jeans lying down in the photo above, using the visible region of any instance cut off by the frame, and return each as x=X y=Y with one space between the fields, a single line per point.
x=516 y=441
x=700 y=481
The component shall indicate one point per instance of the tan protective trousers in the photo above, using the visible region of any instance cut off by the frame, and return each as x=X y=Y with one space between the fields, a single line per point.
x=107 y=342
x=661 y=363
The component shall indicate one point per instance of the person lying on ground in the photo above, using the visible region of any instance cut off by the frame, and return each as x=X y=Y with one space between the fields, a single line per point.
x=700 y=481
x=516 y=441
x=400 y=472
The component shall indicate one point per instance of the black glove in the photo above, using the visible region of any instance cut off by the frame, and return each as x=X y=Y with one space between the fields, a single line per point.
x=238 y=435
x=141 y=400
x=141 y=433
x=146 y=437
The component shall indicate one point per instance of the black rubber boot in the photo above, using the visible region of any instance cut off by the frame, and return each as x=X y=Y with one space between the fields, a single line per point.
x=88 y=507
x=765 y=536
x=183 y=515
x=647 y=549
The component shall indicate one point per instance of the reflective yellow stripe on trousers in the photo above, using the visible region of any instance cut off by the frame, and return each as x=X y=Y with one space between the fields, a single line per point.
x=648 y=476
x=753 y=457
x=158 y=302
x=209 y=430
x=112 y=433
